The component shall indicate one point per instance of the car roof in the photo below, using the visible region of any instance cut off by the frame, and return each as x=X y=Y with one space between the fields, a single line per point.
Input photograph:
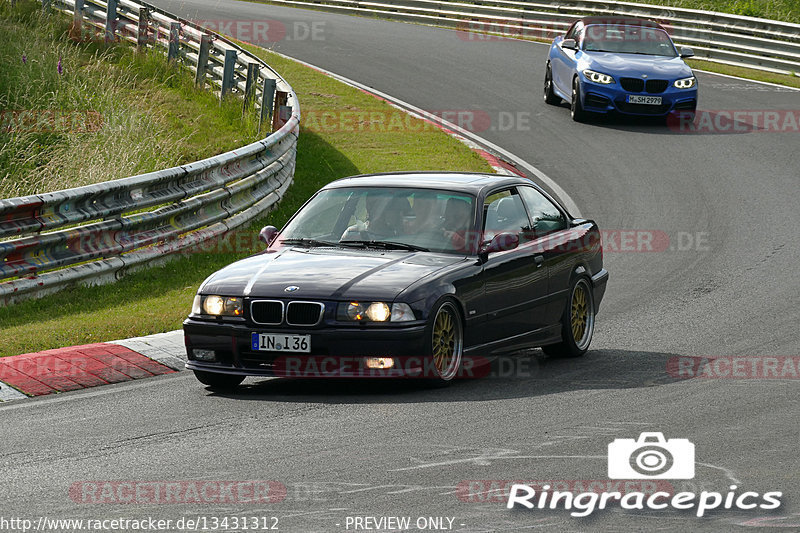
x=621 y=21
x=466 y=182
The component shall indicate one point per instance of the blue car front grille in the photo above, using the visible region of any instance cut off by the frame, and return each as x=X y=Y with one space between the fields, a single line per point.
x=632 y=85
x=656 y=86
x=636 y=85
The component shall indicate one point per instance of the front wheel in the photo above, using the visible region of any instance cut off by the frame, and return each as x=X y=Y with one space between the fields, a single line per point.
x=550 y=97
x=218 y=382
x=445 y=343
x=577 y=322
x=576 y=107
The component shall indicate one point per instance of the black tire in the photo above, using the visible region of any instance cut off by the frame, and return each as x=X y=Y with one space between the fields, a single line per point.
x=576 y=107
x=444 y=345
x=220 y=382
x=550 y=97
x=577 y=321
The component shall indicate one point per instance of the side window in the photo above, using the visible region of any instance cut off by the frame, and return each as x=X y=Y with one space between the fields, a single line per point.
x=503 y=212
x=573 y=30
x=545 y=215
x=579 y=36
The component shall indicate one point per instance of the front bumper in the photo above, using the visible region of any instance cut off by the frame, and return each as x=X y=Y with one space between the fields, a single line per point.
x=335 y=351
x=599 y=98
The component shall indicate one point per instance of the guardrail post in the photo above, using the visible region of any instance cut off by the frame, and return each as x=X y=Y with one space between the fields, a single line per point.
x=174 y=40
x=76 y=30
x=227 y=73
x=249 y=86
x=111 y=21
x=202 y=60
x=281 y=98
x=267 y=101
x=142 y=30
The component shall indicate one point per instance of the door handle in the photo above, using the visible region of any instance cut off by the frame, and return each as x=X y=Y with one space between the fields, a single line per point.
x=539 y=260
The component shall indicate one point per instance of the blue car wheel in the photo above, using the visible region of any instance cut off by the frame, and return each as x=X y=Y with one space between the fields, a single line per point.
x=550 y=97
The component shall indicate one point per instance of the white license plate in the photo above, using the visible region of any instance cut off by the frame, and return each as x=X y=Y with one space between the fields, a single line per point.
x=648 y=100
x=280 y=342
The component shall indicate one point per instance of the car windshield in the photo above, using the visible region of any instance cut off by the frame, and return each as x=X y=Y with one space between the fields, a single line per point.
x=382 y=217
x=628 y=40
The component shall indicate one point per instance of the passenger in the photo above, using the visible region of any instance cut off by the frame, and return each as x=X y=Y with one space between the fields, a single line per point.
x=426 y=209
x=456 y=223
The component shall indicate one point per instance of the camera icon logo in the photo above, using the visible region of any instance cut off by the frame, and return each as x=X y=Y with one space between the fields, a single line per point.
x=651 y=457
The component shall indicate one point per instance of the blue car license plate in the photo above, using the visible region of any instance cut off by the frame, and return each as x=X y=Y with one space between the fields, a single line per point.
x=647 y=100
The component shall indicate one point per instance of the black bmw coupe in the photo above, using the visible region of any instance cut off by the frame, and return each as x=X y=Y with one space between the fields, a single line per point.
x=402 y=275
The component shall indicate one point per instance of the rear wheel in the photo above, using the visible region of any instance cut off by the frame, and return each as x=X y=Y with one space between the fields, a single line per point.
x=577 y=322
x=550 y=96
x=218 y=381
x=445 y=342
x=576 y=107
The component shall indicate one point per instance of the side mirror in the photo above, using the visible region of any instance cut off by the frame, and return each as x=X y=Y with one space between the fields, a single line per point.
x=569 y=44
x=502 y=242
x=686 y=52
x=267 y=234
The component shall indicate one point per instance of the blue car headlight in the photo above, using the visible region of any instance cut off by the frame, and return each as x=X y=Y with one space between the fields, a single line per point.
x=598 y=77
x=685 y=83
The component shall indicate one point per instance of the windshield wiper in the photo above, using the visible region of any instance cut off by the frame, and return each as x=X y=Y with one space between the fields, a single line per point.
x=388 y=245
x=309 y=242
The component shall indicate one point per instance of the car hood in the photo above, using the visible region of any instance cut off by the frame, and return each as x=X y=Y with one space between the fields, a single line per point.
x=326 y=273
x=632 y=65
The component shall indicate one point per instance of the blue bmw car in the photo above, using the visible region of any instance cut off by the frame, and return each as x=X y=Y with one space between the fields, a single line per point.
x=623 y=65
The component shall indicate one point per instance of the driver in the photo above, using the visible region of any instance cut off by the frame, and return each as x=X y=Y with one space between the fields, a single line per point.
x=384 y=216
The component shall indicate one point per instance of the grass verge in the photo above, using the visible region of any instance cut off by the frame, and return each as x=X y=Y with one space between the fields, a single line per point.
x=75 y=111
x=743 y=72
x=345 y=132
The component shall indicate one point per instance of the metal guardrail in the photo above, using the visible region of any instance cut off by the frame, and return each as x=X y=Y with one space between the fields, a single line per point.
x=96 y=233
x=719 y=37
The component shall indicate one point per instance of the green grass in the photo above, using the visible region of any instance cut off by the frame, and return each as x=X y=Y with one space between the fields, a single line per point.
x=785 y=10
x=149 y=113
x=158 y=299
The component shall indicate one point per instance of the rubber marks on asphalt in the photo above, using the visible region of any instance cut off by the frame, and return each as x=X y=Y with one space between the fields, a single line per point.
x=76 y=367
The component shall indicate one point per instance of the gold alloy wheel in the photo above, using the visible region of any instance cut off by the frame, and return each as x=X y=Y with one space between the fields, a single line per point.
x=581 y=314
x=446 y=342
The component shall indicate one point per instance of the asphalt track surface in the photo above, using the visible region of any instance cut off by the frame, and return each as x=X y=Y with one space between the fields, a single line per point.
x=366 y=449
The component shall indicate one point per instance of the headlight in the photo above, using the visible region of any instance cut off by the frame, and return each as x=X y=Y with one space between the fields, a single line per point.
x=598 y=77
x=375 y=312
x=685 y=83
x=217 y=305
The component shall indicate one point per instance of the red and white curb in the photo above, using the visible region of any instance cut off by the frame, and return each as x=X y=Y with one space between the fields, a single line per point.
x=90 y=365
